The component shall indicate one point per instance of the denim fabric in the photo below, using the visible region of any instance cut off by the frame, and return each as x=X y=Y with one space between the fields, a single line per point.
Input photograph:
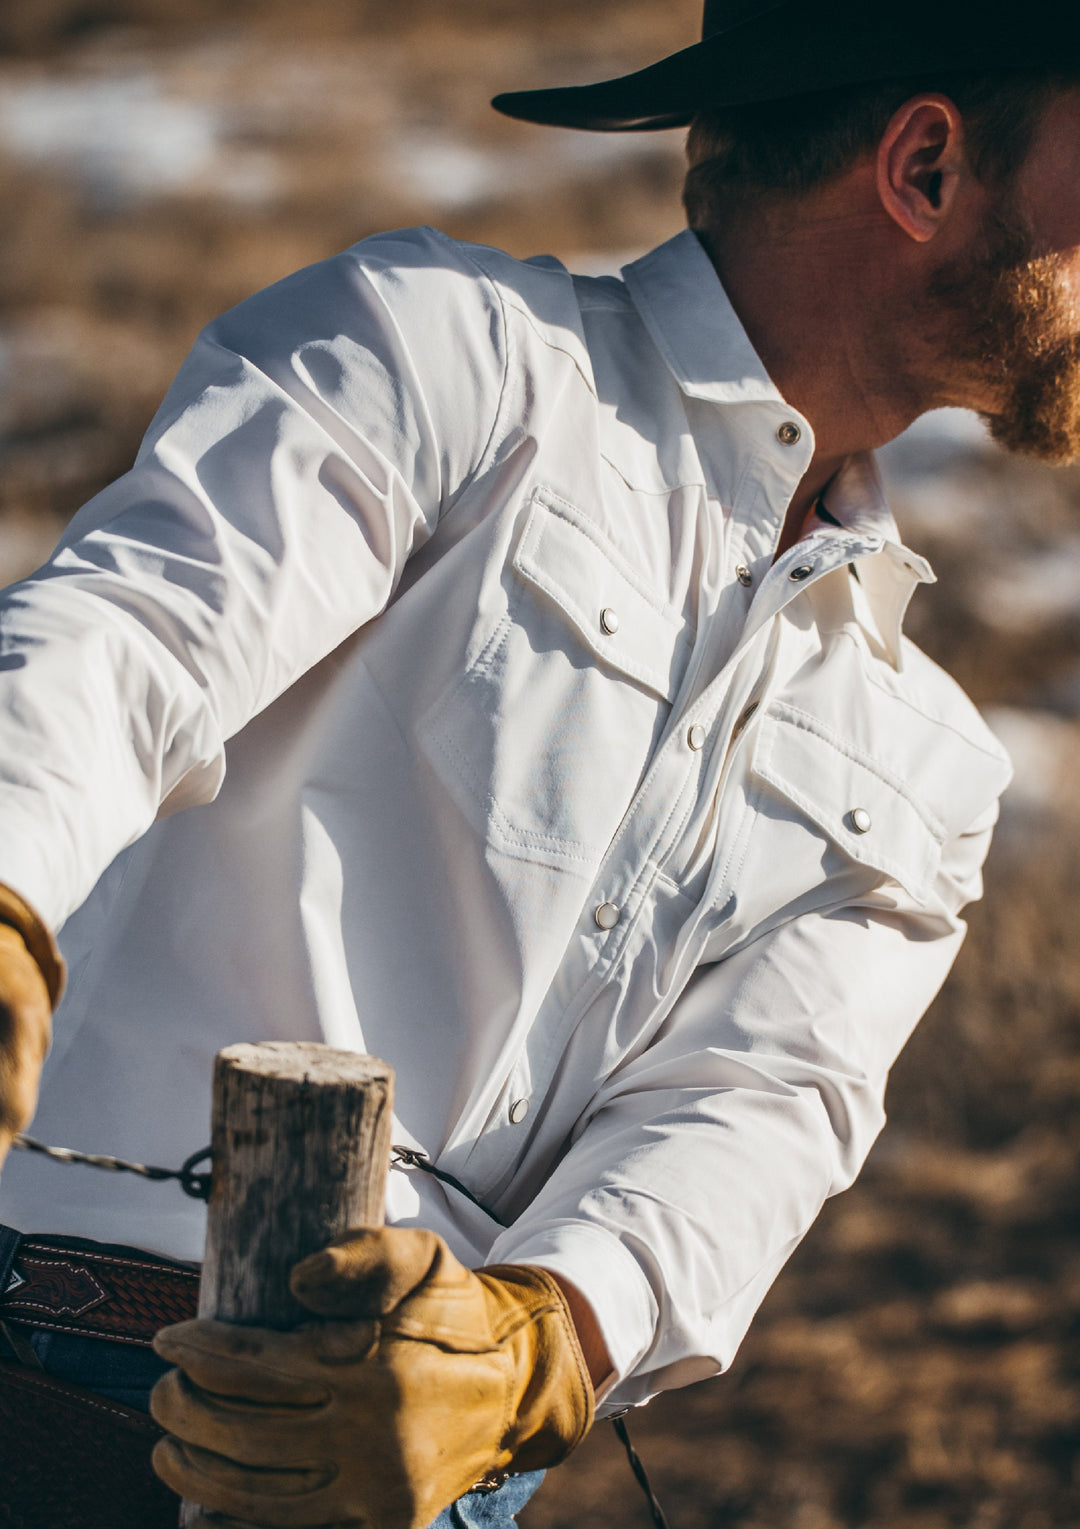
x=490 y=1510
x=125 y=1373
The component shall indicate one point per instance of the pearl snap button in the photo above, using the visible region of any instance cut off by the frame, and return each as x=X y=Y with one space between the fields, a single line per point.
x=789 y=433
x=607 y=915
x=744 y=576
x=797 y=575
x=609 y=620
x=696 y=736
x=861 y=821
x=518 y=1110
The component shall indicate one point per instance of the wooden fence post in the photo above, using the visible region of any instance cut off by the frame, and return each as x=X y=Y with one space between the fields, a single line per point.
x=301 y=1143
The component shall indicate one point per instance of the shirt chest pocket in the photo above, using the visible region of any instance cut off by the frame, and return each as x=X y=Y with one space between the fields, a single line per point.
x=828 y=824
x=543 y=738
x=857 y=802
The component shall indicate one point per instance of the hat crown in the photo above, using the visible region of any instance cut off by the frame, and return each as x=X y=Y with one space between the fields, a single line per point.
x=755 y=51
x=722 y=15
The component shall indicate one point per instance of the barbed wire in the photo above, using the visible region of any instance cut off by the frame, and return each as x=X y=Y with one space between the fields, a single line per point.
x=197 y=1185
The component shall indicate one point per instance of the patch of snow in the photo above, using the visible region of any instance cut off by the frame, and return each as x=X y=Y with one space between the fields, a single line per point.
x=124 y=137
x=588 y=152
x=118 y=133
x=1034 y=590
x=450 y=172
x=447 y=172
x=935 y=474
x=1043 y=748
x=936 y=442
x=251 y=177
x=952 y=506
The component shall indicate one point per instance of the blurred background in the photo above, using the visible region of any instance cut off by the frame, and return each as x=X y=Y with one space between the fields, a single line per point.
x=916 y=1366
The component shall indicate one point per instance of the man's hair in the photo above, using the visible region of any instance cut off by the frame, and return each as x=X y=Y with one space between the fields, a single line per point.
x=787 y=148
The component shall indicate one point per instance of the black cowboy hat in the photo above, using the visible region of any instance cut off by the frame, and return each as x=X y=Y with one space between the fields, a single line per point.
x=770 y=50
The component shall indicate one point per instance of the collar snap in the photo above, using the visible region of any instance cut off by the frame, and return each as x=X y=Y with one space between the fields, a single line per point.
x=789 y=433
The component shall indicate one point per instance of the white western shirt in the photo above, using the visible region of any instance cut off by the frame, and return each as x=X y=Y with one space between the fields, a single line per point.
x=442 y=599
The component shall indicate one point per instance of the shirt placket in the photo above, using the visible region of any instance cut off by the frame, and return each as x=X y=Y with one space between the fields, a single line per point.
x=688 y=766
x=680 y=787
x=729 y=653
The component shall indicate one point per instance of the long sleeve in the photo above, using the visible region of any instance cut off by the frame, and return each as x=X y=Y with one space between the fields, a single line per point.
x=306 y=450
x=703 y=1163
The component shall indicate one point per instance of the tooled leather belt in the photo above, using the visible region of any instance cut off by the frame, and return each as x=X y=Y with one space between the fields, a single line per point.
x=92 y=1289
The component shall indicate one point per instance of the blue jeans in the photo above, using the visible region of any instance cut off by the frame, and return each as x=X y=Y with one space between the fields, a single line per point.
x=126 y=1373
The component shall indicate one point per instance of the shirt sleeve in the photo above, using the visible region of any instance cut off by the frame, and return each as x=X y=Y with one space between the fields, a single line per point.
x=309 y=445
x=702 y=1164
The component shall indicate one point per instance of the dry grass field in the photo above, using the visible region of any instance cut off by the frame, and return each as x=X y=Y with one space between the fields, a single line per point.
x=916 y=1366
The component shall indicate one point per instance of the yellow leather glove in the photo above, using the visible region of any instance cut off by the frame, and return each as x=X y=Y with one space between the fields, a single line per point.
x=423 y=1378
x=31 y=980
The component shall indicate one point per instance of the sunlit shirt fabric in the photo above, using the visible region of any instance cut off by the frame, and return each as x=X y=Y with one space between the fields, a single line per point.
x=441 y=597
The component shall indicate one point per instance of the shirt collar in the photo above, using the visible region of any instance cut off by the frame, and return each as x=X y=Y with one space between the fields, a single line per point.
x=856 y=499
x=683 y=305
x=888 y=573
x=690 y=318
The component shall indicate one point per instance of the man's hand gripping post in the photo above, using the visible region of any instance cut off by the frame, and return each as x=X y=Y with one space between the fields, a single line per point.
x=342 y=1373
x=422 y=1379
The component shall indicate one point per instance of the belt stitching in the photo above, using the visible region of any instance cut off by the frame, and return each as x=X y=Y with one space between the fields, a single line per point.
x=22 y=1309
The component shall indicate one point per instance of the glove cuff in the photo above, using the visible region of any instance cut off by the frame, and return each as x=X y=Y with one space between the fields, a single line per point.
x=16 y=912
x=555 y=1404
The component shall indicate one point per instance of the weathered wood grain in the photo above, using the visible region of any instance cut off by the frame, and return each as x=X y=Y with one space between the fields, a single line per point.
x=301 y=1143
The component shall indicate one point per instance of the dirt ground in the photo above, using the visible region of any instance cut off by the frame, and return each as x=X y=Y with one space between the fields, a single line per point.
x=916 y=1365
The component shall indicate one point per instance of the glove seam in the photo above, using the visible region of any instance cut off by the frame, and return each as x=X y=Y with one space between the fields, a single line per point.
x=556 y=1308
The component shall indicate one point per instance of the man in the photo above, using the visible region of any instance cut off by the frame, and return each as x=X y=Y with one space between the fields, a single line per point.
x=524 y=653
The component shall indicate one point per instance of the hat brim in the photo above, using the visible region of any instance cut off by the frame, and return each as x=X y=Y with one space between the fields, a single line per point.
x=790 y=52
x=650 y=98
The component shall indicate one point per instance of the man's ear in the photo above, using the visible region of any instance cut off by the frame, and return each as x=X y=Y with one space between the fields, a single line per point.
x=920 y=164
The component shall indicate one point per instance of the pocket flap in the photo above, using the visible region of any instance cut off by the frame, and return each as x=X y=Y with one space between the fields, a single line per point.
x=627 y=625
x=852 y=798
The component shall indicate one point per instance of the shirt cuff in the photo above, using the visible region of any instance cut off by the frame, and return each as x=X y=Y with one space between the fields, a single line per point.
x=606 y=1273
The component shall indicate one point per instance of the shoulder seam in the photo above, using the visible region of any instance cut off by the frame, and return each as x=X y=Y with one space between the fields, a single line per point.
x=527 y=317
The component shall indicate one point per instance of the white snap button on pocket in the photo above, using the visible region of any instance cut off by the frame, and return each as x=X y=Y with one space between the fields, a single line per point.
x=607 y=915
